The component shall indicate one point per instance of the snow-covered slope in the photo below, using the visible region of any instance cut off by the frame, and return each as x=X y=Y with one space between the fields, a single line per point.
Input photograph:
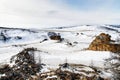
x=54 y=52
x=15 y=36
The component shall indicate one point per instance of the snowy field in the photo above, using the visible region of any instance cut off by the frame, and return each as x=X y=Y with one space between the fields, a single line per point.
x=54 y=52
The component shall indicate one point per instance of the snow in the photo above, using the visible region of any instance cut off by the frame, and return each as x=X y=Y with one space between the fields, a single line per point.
x=7 y=52
x=54 y=52
x=86 y=69
x=2 y=75
x=106 y=74
x=49 y=77
x=45 y=69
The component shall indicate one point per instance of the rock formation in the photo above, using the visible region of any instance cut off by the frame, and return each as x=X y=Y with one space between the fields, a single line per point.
x=103 y=42
x=54 y=36
x=23 y=67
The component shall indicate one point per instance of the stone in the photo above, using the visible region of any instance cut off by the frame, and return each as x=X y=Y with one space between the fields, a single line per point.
x=24 y=66
x=54 y=36
x=103 y=42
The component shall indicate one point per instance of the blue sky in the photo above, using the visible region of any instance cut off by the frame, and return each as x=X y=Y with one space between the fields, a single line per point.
x=83 y=4
x=90 y=5
x=45 y=13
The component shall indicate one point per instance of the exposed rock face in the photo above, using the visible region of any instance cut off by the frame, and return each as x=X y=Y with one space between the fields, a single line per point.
x=54 y=36
x=71 y=72
x=4 y=68
x=4 y=37
x=24 y=62
x=103 y=42
x=24 y=66
x=64 y=72
x=78 y=72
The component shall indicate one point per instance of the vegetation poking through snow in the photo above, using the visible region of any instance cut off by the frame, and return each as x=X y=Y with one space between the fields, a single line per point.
x=113 y=65
x=24 y=65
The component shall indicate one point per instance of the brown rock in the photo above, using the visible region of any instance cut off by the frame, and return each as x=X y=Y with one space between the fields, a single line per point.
x=54 y=36
x=103 y=43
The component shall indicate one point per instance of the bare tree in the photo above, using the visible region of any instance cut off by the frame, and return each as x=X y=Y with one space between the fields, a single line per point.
x=91 y=63
x=39 y=59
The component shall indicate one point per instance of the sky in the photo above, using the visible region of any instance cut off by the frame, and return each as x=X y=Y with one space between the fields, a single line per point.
x=52 y=13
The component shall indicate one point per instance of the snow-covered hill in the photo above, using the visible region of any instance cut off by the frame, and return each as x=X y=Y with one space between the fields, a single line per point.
x=75 y=40
x=79 y=36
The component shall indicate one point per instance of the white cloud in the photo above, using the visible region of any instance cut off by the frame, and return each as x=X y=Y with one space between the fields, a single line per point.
x=45 y=13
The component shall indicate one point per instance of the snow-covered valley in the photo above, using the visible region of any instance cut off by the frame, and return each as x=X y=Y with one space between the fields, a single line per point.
x=71 y=49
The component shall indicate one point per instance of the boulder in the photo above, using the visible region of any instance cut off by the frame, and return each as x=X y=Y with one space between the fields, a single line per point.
x=103 y=42
x=54 y=36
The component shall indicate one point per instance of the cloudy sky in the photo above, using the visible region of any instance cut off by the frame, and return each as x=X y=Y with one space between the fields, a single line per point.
x=46 y=13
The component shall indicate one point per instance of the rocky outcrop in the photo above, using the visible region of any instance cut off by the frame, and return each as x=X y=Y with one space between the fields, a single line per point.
x=4 y=68
x=73 y=72
x=54 y=36
x=103 y=42
x=23 y=67
x=64 y=72
x=4 y=37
